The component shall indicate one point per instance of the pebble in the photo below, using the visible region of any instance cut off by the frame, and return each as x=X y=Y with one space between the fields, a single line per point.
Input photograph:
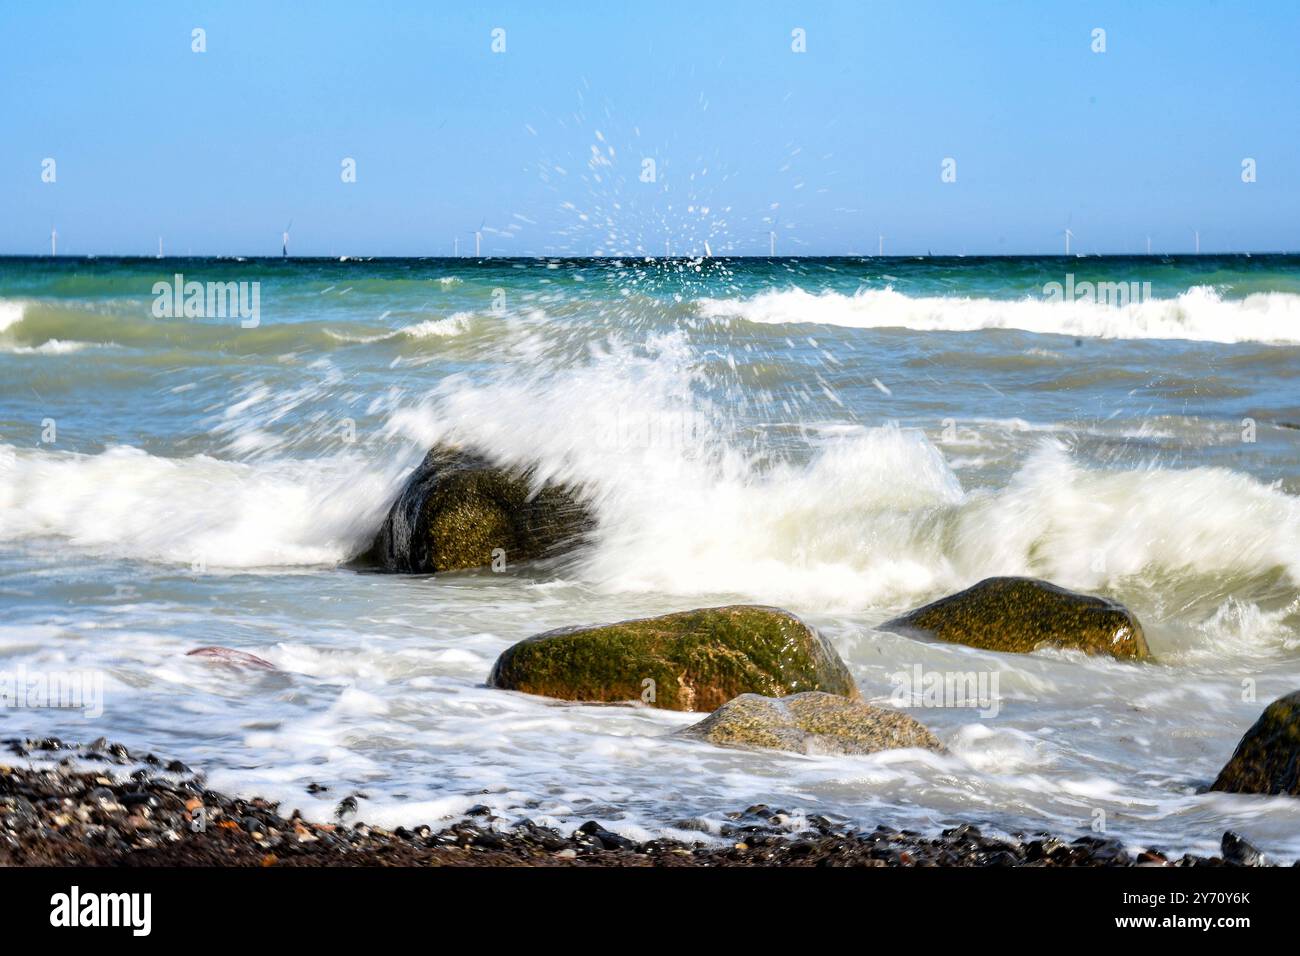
x=57 y=815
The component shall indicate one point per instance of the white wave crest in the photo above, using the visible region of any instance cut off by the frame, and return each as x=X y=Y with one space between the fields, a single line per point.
x=200 y=510
x=453 y=324
x=1199 y=314
x=11 y=313
x=876 y=517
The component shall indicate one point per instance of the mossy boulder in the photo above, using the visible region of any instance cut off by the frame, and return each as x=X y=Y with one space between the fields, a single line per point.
x=457 y=509
x=1267 y=760
x=1024 y=614
x=691 y=660
x=810 y=723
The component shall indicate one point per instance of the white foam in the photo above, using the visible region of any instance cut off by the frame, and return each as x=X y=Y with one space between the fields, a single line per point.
x=877 y=517
x=200 y=510
x=11 y=313
x=453 y=324
x=53 y=347
x=1199 y=314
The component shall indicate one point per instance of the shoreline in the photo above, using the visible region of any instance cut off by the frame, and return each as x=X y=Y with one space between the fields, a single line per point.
x=61 y=814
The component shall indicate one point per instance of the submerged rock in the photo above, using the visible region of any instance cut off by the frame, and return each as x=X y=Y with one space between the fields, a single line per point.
x=690 y=660
x=1025 y=614
x=458 y=511
x=1267 y=760
x=810 y=723
x=228 y=655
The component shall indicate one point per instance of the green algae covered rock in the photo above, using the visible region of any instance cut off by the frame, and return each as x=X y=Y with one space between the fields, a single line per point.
x=1025 y=614
x=1267 y=760
x=690 y=660
x=810 y=723
x=458 y=511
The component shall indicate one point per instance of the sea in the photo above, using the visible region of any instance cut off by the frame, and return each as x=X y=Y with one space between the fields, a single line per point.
x=192 y=450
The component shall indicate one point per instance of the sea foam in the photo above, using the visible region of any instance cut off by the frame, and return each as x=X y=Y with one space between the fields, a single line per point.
x=1199 y=314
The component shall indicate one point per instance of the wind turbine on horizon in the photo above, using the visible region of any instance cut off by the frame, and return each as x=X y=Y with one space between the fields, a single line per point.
x=1068 y=236
x=284 y=241
x=54 y=241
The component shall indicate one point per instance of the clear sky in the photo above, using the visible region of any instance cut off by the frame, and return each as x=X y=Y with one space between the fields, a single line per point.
x=543 y=144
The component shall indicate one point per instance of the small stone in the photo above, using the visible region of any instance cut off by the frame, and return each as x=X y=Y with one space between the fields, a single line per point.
x=810 y=723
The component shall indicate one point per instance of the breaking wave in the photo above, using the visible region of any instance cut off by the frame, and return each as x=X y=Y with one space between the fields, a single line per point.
x=1199 y=314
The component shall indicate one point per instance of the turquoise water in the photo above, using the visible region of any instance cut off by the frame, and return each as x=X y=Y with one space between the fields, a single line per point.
x=844 y=437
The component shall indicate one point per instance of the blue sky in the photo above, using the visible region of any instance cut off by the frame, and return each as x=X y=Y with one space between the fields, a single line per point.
x=830 y=148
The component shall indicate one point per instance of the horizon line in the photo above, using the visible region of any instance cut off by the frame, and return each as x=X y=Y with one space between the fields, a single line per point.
x=647 y=258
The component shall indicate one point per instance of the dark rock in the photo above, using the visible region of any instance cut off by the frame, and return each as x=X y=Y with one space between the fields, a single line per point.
x=1238 y=852
x=810 y=723
x=1267 y=759
x=545 y=837
x=1024 y=614
x=691 y=660
x=488 y=840
x=457 y=508
x=605 y=838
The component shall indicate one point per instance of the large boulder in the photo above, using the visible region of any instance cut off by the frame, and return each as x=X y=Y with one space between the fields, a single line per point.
x=457 y=509
x=1267 y=760
x=810 y=723
x=1025 y=614
x=691 y=660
